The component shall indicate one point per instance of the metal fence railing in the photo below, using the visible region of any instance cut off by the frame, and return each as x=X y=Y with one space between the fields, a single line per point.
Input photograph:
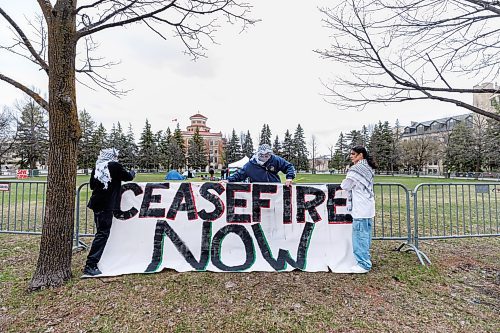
x=437 y=211
x=456 y=210
x=22 y=206
x=393 y=217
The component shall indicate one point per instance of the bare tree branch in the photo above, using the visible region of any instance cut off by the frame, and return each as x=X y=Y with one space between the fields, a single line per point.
x=92 y=5
x=26 y=41
x=466 y=106
x=99 y=25
x=493 y=6
x=92 y=67
x=176 y=14
x=438 y=72
x=394 y=47
x=36 y=97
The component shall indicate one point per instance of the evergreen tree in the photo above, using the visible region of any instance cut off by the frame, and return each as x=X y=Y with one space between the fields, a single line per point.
x=287 y=148
x=492 y=142
x=265 y=135
x=354 y=138
x=157 y=158
x=233 y=149
x=268 y=134
x=112 y=137
x=116 y=137
x=99 y=141
x=86 y=156
x=164 y=149
x=301 y=161
x=179 y=139
x=365 y=136
x=375 y=139
x=32 y=135
x=341 y=155
x=197 y=155
x=178 y=150
x=147 y=149
x=386 y=150
x=129 y=152
x=338 y=161
x=381 y=142
x=277 y=150
x=458 y=156
x=247 y=145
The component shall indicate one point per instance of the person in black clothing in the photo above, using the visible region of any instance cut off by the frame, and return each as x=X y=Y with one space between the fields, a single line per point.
x=105 y=182
x=211 y=171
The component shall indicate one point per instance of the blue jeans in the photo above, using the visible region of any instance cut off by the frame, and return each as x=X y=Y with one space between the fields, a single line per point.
x=361 y=241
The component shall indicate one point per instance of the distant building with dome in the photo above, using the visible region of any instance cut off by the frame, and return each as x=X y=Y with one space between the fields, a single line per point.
x=214 y=142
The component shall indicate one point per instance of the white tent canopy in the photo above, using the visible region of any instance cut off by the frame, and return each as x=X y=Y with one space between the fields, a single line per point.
x=240 y=163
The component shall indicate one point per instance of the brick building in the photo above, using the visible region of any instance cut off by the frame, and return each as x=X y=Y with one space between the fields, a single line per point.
x=214 y=142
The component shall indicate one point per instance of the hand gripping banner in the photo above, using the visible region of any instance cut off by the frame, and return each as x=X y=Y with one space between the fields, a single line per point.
x=231 y=227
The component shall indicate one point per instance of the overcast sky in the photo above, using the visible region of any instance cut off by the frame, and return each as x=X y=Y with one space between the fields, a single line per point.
x=266 y=74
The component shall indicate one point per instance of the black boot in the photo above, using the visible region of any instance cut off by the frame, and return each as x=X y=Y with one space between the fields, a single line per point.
x=91 y=271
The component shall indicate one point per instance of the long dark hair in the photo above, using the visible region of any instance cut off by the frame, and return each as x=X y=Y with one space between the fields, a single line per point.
x=366 y=156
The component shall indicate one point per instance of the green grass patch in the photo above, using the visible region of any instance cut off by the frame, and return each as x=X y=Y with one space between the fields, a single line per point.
x=458 y=293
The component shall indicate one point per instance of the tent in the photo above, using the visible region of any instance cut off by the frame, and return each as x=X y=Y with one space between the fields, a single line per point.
x=186 y=174
x=173 y=175
x=233 y=167
x=240 y=163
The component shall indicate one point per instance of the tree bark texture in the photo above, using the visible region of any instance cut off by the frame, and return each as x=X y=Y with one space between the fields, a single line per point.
x=54 y=261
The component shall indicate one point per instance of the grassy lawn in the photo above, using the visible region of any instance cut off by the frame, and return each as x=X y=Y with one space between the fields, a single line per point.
x=460 y=292
x=409 y=182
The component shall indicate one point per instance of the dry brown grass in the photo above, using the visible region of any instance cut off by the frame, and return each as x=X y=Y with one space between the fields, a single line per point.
x=458 y=293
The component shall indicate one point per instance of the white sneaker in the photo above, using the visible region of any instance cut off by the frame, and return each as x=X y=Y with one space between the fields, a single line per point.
x=358 y=269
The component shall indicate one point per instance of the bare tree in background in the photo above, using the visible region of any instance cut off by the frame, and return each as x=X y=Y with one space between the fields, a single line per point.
x=419 y=151
x=64 y=26
x=403 y=50
x=8 y=132
x=314 y=150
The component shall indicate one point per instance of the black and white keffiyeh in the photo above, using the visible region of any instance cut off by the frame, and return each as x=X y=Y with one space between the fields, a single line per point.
x=363 y=174
x=263 y=150
x=101 y=166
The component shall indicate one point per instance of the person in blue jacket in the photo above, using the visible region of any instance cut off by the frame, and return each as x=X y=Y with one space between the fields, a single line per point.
x=264 y=167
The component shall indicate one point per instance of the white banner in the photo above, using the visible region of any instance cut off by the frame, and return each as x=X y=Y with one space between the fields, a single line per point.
x=229 y=227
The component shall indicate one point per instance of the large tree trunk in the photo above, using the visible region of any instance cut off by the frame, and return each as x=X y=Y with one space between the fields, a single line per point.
x=54 y=261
